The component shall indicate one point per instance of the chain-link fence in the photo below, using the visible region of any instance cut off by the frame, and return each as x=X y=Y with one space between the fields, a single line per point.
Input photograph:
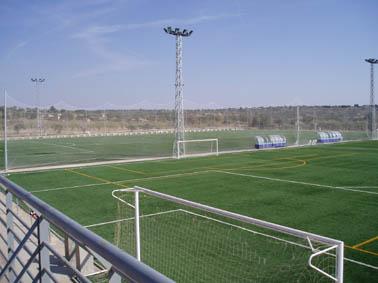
x=65 y=134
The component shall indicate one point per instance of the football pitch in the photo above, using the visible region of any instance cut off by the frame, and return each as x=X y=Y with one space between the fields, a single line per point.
x=331 y=190
x=34 y=152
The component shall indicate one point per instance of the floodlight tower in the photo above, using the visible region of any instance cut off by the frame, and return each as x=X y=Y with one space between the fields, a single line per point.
x=372 y=122
x=38 y=82
x=179 y=87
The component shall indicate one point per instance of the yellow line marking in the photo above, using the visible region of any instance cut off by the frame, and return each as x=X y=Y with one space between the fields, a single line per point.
x=122 y=181
x=366 y=242
x=125 y=169
x=362 y=250
x=94 y=178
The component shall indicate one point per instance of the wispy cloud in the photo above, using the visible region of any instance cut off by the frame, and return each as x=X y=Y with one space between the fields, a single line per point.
x=94 y=31
x=188 y=21
x=113 y=66
x=95 y=38
x=106 y=29
x=14 y=49
x=110 y=60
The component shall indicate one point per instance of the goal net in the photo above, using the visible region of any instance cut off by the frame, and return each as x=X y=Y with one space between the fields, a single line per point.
x=191 y=242
x=197 y=147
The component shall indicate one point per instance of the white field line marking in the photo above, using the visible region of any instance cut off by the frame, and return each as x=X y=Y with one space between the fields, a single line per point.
x=360 y=187
x=66 y=146
x=207 y=171
x=131 y=218
x=71 y=187
x=125 y=181
x=46 y=166
x=297 y=182
x=245 y=229
x=126 y=169
x=361 y=263
x=276 y=238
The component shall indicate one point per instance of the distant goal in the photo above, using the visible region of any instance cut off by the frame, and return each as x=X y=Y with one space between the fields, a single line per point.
x=197 y=147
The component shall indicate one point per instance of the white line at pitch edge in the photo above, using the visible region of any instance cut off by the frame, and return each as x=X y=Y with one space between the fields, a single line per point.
x=297 y=182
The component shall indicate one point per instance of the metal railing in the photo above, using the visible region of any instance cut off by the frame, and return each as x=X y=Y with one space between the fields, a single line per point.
x=26 y=250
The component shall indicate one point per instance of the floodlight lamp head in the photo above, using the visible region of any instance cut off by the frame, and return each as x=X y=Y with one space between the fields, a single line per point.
x=33 y=80
x=372 y=61
x=41 y=80
x=186 y=32
x=177 y=31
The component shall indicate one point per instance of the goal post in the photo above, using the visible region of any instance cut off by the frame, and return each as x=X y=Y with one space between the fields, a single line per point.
x=189 y=242
x=197 y=147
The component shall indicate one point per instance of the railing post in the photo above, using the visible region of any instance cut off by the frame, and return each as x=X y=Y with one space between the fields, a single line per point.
x=66 y=247
x=77 y=257
x=44 y=254
x=137 y=226
x=10 y=236
x=114 y=277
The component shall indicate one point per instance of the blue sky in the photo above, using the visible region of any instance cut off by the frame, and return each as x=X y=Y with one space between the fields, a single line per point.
x=241 y=53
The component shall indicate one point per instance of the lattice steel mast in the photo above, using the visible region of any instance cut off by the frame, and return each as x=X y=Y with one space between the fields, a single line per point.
x=372 y=122
x=38 y=82
x=179 y=87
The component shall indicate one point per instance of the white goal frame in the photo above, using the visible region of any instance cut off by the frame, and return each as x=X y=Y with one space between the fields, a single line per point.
x=183 y=142
x=334 y=244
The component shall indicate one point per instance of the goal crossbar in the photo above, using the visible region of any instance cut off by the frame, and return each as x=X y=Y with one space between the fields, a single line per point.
x=334 y=244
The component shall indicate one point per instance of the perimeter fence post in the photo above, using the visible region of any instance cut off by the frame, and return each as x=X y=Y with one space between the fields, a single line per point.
x=137 y=226
x=10 y=236
x=5 y=133
x=217 y=146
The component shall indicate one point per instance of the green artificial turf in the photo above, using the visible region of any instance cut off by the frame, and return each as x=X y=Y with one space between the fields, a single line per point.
x=331 y=190
x=57 y=151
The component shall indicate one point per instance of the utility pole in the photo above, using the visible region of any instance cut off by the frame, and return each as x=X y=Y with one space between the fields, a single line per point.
x=372 y=122
x=38 y=82
x=315 y=117
x=298 y=127
x=179 y=87
x=104 y=117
